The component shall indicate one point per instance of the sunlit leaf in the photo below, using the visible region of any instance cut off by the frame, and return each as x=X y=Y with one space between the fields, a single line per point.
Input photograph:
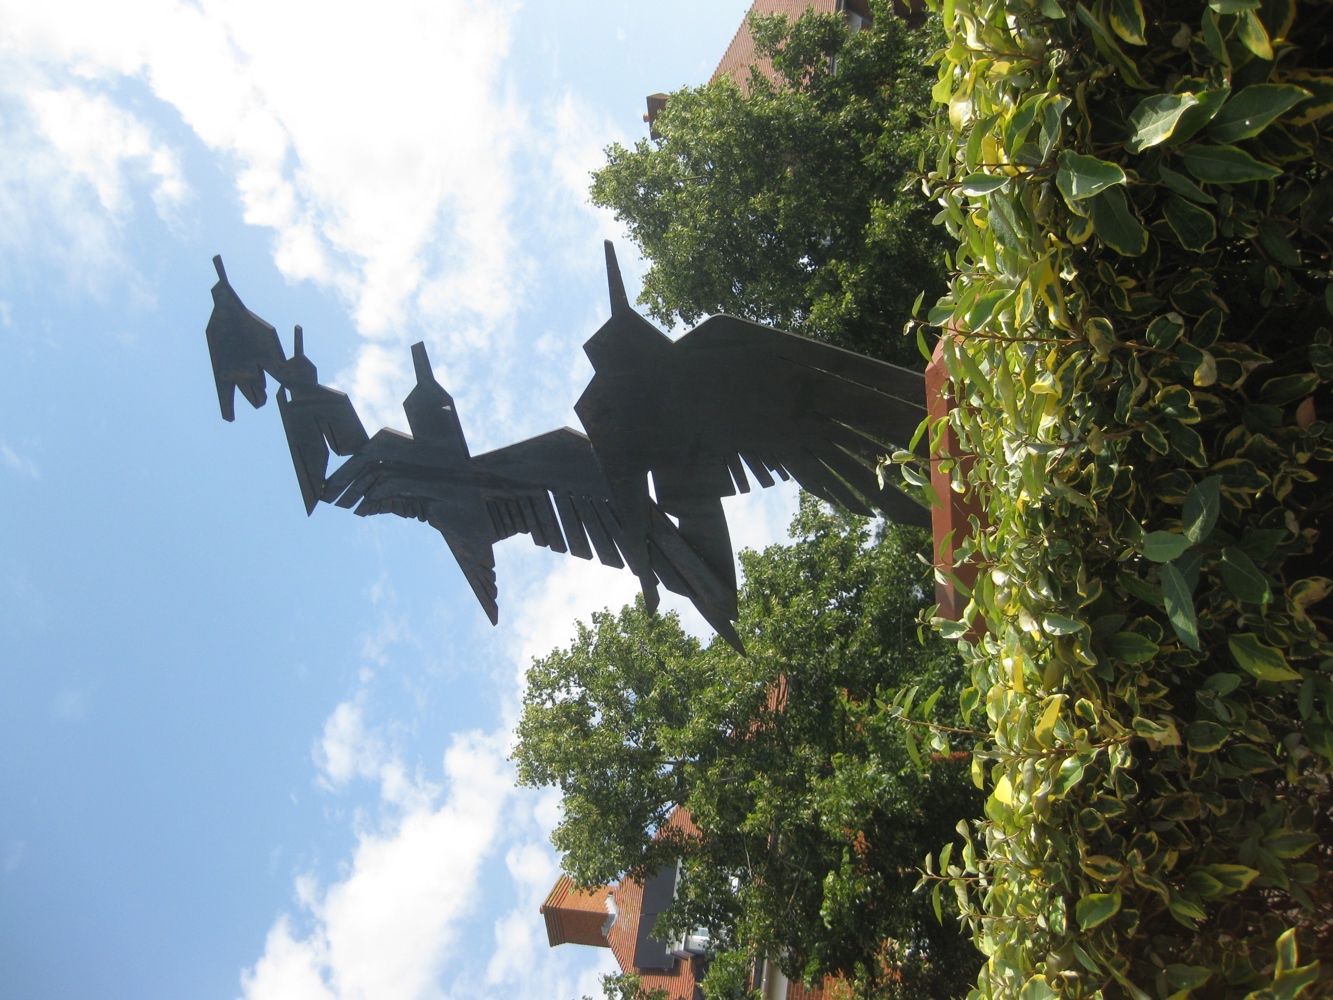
x=1263 y=661
x=1250 y=30
x=1205 y=373
x=1154 y=119
x=1096 y=908
x=1044 y=730
x=1102 y=867
x=1069 y=775
x=1303 y=593
x=1127 y=20
x=1202 y=504
x=1054 y=624
x=1036 y=988
x=1162 y=732
x=1195 y=117
x=1080 y=176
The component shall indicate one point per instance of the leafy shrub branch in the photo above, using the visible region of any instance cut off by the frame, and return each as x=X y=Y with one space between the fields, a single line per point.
x=1140 y=308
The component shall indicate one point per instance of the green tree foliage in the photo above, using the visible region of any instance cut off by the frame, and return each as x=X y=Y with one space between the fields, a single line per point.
x=729 y=977
x=787 y=206
x=627 y=986
x=1142 y=201
x=813 y=814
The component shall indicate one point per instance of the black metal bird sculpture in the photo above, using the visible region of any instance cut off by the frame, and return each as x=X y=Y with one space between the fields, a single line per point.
x=694 y=413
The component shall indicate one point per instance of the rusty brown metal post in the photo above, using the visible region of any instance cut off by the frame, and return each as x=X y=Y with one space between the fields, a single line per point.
x=949 y=521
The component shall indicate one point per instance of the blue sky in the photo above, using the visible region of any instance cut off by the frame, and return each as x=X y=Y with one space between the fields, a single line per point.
x=245 y=753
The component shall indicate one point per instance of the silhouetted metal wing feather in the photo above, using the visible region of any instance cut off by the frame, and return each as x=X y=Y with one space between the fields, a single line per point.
x=396 y=473
x=562 y=465
x=243 y=347
x=549 y=487
x=555 y=480
x=316 y=418
x=821 y=413
x=477 y=562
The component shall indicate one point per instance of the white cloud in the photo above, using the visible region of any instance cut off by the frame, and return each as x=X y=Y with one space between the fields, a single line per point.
x=551 y=593
x=19 y=463
x=386 y=930
x=100 y=144
x=49 y=213
x=387 y=155
x=421 y=882
x=389 y=162
x=379 y=150
x=347 y=750
x=394 y=925
x=523 y=964
x=289 y=969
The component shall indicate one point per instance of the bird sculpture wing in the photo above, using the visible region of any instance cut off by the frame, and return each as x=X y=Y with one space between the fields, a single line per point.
x=548 y=487
x=779 y=404
x=562 y=465
x=732 y=395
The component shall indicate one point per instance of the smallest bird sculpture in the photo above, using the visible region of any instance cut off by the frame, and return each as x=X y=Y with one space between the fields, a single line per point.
x=694 y=413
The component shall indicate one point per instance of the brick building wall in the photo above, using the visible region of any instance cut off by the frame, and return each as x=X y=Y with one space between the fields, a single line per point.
x=579 y=916
x=576 y=916
x=740 y=55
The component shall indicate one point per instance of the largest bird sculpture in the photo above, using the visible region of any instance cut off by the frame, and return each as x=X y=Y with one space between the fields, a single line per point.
x=694 y=413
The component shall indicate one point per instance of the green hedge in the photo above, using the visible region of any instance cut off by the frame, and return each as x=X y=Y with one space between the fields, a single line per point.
x=1141 y=298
